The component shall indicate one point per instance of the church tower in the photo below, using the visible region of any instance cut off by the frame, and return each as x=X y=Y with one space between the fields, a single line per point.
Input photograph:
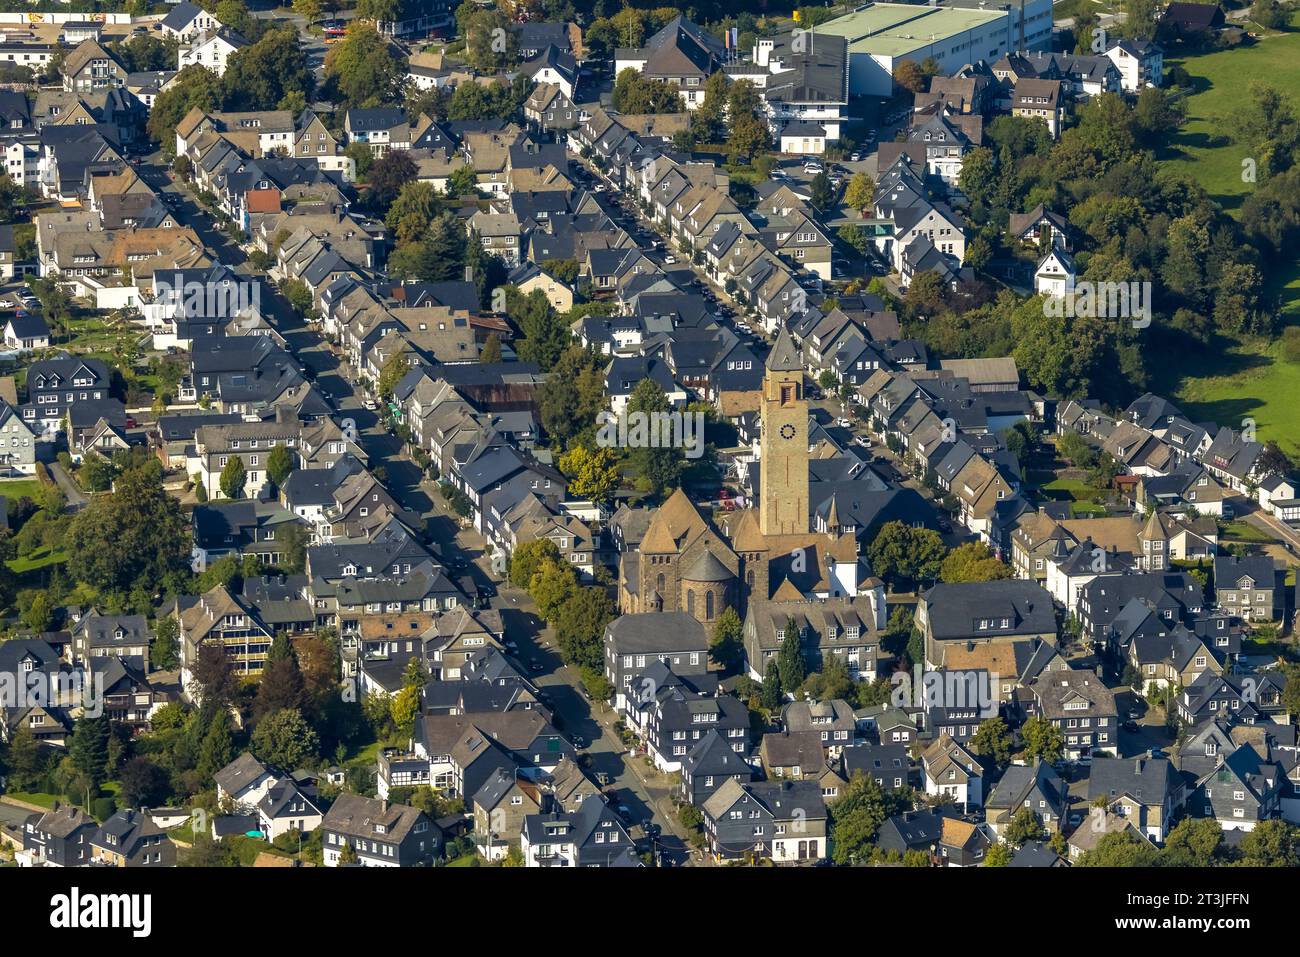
x=783 y=470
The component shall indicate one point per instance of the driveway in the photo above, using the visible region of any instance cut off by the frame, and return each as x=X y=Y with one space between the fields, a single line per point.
x=77 y=499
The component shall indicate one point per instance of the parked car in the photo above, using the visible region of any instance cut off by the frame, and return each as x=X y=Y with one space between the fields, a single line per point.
x=670 y=260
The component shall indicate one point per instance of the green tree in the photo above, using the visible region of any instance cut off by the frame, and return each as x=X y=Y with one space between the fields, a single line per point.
x=293 y=544
x=526 y=560
x=554 y=583
x=772 y=693
x=279 y=464
x=151 y=538
x=1024 y=827
x=411 y=211
x=637 y=94
x=860 y=192
x=491 y=44
x=1194 y=842
x=164 y=653
x=88 y=749
x=856 y=816
x=363 y=68
x=233 y=477
x=580 y=622
x=993 y=740
x=572 y=396
x=218 y=748
x=463 y=181
x=285 y=739
x=39 y=613
x=1120 y=849
x=725 y=648
x=973 y=562
x=545 y=334
x=194 y=87
x=394 y=370
x=903 y=555
x=1042 y=739
x=593 y=473
x=1268 y=14
x=999 y=855
x=707 y=122
x=790 y=657
x=1271 y=843
x=260 y=76
x=403 y=708
x=749 y=133
x=832 y=681
x=821 y=193
x=657 y=469
x=25 y=760
x=491 y=353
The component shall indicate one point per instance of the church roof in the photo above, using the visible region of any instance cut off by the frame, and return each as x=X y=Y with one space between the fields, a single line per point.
x=707 y=568
x=677 y=518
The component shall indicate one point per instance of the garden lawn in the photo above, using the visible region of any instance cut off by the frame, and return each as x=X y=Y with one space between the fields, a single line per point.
x=1243 y=532
x=35 y=797
x=41 y=558
x=16 y=488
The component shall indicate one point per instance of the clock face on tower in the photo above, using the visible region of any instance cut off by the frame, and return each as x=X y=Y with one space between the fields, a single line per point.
x=787 y=431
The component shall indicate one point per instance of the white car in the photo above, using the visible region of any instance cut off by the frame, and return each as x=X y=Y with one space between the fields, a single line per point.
x=670 y=260
x=846 y=423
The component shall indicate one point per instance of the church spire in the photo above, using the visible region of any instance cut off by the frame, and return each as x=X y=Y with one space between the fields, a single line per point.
x=785 y=354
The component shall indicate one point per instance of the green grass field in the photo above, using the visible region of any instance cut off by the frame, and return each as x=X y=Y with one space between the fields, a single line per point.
x=1221 y=80
x=1246 y=377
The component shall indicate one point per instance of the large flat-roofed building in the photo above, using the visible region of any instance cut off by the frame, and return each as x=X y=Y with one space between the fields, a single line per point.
x=955 y=33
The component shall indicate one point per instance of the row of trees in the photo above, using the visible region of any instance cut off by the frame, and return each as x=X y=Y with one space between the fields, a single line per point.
x=577 y=612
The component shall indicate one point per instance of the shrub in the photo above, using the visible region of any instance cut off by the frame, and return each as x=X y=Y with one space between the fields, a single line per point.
x=1291 y=343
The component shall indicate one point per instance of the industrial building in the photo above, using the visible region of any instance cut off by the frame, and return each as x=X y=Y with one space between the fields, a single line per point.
x=954 y=33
